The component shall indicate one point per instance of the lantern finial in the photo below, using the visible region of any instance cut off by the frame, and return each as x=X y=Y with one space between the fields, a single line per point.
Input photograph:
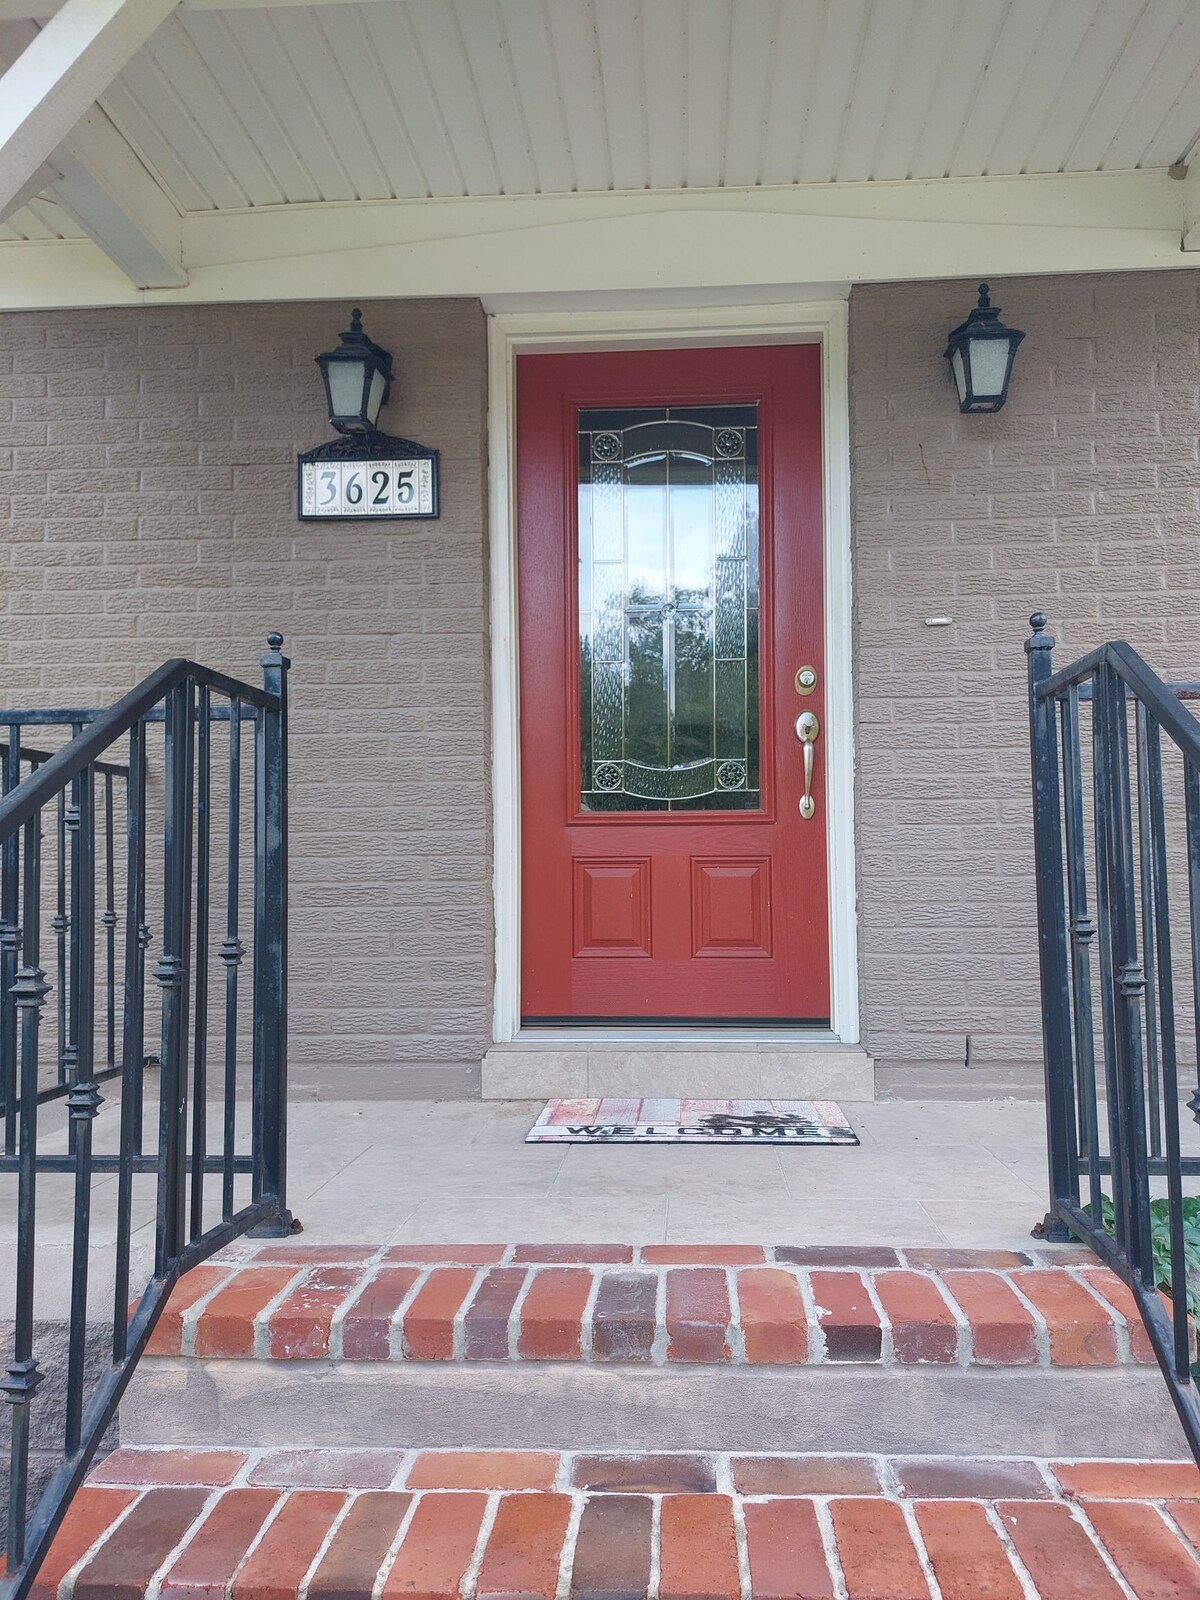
x=984 y=297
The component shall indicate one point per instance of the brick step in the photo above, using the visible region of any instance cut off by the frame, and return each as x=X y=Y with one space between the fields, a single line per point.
x=655 y=1305
x=320 y=1524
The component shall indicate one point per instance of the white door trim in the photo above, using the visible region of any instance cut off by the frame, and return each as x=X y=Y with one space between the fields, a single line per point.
x=823 y=322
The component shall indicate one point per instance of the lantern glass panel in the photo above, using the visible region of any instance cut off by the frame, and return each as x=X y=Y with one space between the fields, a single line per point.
x=346 y=388
x=375 y=398
x=989 y=367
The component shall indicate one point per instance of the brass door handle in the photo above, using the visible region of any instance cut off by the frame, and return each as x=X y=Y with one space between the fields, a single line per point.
x=807 y=729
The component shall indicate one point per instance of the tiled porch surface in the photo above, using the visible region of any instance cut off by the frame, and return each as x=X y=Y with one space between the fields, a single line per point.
x=488 y=1525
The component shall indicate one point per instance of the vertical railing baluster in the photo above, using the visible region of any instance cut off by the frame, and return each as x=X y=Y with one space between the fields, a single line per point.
x=60 y=925
x=23 y=1376
x=232 y=951
x=1052 y=941
x=1083 y=932
x=1102 y=812
x=74 y=890
x=270 y=944
x=10 y=935
x=1170 y=1065
x=83 y=1101
x=200 y=1031
x=1130 y=982
x=133 y=1023
x=1146 y=898
x=110 y=932
x=171 y=975
x=1191 y=805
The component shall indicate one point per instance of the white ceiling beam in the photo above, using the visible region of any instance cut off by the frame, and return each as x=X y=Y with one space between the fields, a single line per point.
x=30 y=189
x=59 y=75
x=108 y=192
x=1190 y=190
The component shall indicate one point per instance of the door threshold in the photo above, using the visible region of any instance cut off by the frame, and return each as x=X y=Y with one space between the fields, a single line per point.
x=525 y=1038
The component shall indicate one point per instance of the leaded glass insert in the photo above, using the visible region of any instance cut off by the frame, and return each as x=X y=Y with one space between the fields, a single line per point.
x=668 y=609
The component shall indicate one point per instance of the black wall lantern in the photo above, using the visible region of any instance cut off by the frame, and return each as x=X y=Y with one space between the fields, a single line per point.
x=980 y=354
x=358 y=377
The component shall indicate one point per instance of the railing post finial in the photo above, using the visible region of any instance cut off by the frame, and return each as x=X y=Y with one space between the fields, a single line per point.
x=1039 y=639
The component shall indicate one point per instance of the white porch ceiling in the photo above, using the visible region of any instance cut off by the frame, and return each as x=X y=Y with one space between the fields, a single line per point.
x=274 y=104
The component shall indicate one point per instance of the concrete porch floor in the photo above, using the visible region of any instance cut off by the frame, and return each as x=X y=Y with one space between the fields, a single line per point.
x=968 y=1174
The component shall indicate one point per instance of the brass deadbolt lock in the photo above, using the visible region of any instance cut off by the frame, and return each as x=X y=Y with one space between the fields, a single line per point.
x=806 y=680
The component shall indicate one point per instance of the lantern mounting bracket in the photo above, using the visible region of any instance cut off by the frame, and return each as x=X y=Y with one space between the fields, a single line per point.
x=374 y=446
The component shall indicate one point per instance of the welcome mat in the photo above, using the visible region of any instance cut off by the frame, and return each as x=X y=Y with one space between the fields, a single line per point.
x=614 y=1121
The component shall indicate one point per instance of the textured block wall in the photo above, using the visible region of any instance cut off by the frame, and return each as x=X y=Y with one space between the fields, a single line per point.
x=147 y=501
x=1079 y=498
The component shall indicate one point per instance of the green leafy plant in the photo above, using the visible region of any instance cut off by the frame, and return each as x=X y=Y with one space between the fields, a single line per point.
x=1160 y=1242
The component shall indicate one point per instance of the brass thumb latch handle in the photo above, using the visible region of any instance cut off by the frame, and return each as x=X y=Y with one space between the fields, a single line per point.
x=807 y=729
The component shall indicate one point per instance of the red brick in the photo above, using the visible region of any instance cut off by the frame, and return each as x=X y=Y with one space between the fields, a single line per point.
x=1121 y=1298
x=299 y=1325
x=1187 y=1514
x=662 y=1474
x=429 y=1320
x=968 y=1559
x=624 y=1319
x=366 y=1327
x=926 y=1260
x=306 y=1468
x=524 y=1548
x=1061 y=1559
x=123 y=1565
x=1153 y=1562
x=485 y=1325
x=454 y=1255
x=787 y=1556
x=178 y=1468
x=552 y=1315
x=703 y=1255
x=697 y=1314
x=217 y=1548
x=848 y=1320
x=773 y=1316
x=437 y=1549
x=167 y=1338
x=226 y=1325
x=879 y=1560
x=805 y=1475
x=699 y=1552
x=1129 y=1480
x=360 y=1542
x=289 y=1547
x=612 y=1550
x=1081 y=1332
x=1003 y=1332
x=582 y=1255
x=482 y=1469
x=91 y=1513
x=923 y=1326
x=311 y=1254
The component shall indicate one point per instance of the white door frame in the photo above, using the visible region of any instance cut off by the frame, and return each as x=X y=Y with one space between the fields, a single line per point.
x=822 y=322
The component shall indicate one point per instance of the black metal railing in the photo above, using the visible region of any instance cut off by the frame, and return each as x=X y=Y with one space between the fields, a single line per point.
x=1116 y=803
x=164 y=776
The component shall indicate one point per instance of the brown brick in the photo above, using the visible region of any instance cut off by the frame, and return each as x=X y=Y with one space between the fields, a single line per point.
x=805 y=1475
x=91 y=1513
x=299 y=1325
x=552 y=1315
x=929 y=1260
x=437 y=1548
x=786 y=1552
x=698 y=1558
x=773 y=1316
x=965 y=1552
x=356 y=1552
x=366 y=1327
x=847 y=1317
x=455 y=1255
x=219 y=1545
x=289 y=1546
x=612 y=1549
x=828 y=1255
x=662 y=1474
x=623 y=1323
x=703 y=1255
x=123 y=1565
x=923 y=1326
x=486 y=1321
x=482 y=1469
x=961 y=1478
x=175 y=1467
x=574 y=1254
x=697 y=1314
x=307 y=1468
x=524 y=1548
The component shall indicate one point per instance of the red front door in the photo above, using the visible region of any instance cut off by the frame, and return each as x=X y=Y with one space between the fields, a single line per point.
x=670 y=581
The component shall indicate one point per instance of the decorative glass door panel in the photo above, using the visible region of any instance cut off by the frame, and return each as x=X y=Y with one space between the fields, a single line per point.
x=668 y=609
x=669 y=569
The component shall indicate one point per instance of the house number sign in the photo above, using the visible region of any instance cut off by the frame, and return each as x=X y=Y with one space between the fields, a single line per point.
x=349 y=480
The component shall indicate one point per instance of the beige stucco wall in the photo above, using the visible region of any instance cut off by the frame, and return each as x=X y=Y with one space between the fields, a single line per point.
x=149 y=511
x=1080 y=498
